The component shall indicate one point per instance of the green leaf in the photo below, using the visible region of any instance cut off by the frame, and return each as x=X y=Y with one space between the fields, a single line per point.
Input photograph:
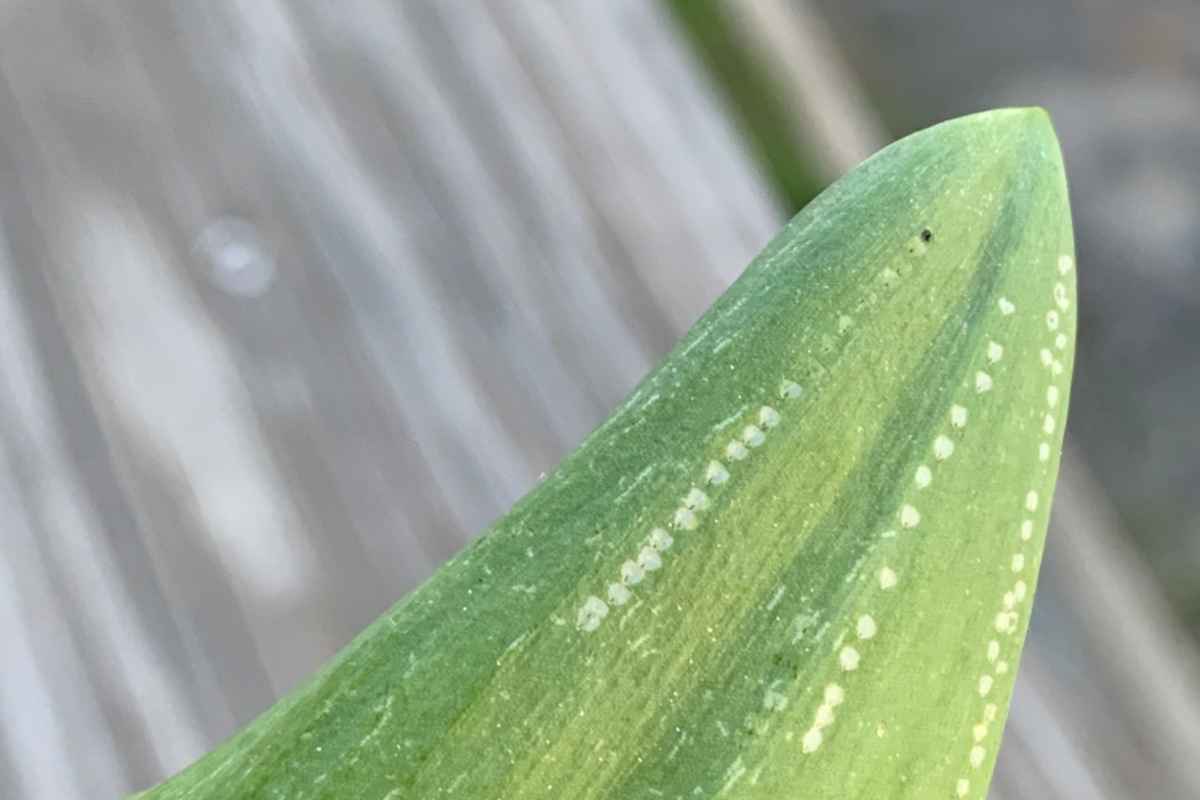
x=797 y=562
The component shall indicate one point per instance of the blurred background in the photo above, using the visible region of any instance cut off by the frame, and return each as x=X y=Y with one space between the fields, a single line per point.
x=296 y=297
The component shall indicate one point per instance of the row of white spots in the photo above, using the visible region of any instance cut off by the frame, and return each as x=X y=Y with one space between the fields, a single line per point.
x=833 y=697
x=1061 y=299
x=686 y=517
x=1007 y=623
x=1006 y=620
x=977 y=754
x=909 y=518
x=849 y=658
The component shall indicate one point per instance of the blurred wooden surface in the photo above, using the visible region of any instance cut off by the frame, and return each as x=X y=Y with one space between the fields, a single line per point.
x=296 y=297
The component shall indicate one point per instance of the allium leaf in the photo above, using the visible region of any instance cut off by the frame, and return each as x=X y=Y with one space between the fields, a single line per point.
x=798 y=561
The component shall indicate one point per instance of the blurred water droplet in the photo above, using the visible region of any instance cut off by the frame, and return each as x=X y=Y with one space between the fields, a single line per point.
x=236 y=257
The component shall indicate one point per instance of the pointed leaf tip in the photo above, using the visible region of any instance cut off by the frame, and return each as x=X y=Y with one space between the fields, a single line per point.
x=800 y=558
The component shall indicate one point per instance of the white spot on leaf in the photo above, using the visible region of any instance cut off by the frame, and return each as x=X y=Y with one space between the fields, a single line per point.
x=649 y=559
x=1061 y=298
x=753 y=436
x=775 y=700
x=983 y=382
x=923 y=477
x=716 y=474
x=849 y=658
x=887 y=578
x=619 y=594
x=591 y=614
x=696 y=500
x=660 y=540
x=686 y=520
x=1006 y=307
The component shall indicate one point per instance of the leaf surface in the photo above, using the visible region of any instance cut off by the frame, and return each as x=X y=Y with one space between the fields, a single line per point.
x=798 y=561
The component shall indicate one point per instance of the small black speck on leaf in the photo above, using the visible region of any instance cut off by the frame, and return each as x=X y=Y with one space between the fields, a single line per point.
x=926 y=235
